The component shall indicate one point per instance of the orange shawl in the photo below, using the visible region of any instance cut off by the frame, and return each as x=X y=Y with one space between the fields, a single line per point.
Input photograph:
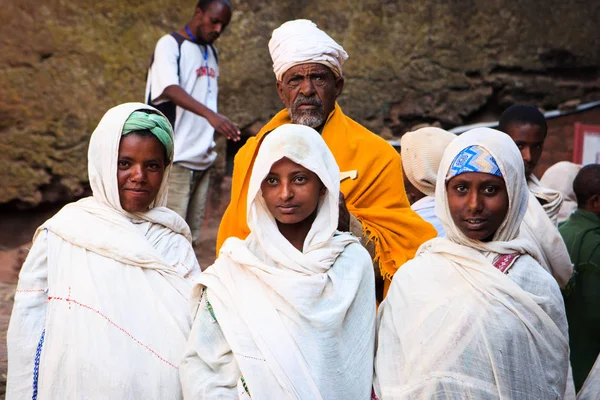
x=376 y=197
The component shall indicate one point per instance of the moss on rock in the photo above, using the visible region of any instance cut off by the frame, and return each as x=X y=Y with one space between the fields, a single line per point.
x=65 y=63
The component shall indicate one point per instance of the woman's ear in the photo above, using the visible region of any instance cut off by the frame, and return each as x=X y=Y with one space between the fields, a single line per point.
x=323 y=190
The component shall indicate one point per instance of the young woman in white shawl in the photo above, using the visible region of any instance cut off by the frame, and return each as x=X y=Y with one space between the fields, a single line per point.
x=474 y=315
x=288 y=313
x=101 y=309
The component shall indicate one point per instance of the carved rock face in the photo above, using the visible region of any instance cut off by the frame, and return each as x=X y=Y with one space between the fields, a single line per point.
x=410 y=63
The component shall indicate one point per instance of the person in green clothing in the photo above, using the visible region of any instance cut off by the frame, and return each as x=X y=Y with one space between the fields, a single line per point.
x=581 y=233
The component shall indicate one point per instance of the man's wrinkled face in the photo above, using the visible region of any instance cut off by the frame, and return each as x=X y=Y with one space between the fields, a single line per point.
x=309 y=92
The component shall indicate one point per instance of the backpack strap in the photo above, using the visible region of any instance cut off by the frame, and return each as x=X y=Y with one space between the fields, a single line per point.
x=214 y=51
x=179 y=39
x=168 y=108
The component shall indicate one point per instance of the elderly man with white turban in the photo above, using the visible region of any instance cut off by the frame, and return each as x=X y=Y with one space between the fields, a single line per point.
x=308 y=66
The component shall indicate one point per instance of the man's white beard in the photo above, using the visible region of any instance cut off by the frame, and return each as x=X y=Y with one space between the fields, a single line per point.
x=310 y=119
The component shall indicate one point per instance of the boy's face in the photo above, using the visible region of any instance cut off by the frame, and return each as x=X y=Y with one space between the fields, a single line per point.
x=478 y=204
x=530 y=141
x=291 y=192
x=212 y=22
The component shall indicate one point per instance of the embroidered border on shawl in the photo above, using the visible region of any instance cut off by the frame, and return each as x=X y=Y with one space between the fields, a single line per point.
x=245 y=385
x=36 y=365
x=505 y=261
x=30 y=291
x=373 y=395
x=85 y=306
x=209 y=306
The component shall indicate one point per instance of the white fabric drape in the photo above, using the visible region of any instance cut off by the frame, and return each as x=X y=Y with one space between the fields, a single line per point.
x=425 y=207
x=552 y=199
x=540 y=228
x=453 y=326
x=560 y=177
x=300 y=324
x=591 y=387
x=551 y=250
x=421 y=152
x=101 y=305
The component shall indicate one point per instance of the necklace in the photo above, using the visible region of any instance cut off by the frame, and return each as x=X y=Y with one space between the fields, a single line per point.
x=203 y=50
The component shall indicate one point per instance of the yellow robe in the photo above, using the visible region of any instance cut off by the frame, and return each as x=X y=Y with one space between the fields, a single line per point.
x=376 y=197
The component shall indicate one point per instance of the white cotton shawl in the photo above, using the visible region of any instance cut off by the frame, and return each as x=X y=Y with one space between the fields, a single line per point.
x=552 y=199
x=300 y=325
x=301 y=42
x=421 y=152
x=453 y=326
x=118 y=284
x=591 y=387
x=552 y=252
x=425 y=207
x=560 y=177
x=540 y=227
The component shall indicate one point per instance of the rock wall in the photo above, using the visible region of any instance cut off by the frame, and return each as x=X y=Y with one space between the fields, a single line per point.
x=64 y=63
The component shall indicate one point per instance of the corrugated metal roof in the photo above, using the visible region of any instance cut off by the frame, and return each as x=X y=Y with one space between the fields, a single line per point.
x=547 y=115
x=494 y=124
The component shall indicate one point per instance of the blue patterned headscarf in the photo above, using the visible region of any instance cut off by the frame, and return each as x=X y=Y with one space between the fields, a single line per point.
x=473 y=159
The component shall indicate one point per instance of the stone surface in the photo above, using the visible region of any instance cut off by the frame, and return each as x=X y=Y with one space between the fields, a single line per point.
x=64 y=63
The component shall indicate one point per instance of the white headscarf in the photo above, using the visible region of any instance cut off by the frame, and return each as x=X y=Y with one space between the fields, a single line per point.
x=560 y=177
x=304 y=146
x=552 y=199
x=501 y=147
x=421 y=152
x=102 y=166
x=301 y=42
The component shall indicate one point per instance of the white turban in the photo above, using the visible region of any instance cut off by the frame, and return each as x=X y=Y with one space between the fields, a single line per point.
x=301 y=42
x=421 y=153
x=560 y=177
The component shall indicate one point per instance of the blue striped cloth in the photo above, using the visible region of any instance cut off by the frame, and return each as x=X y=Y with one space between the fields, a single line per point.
x=36 y=366
x=473 y=159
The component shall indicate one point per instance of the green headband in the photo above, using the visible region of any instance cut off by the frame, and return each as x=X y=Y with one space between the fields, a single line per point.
x=155 y=123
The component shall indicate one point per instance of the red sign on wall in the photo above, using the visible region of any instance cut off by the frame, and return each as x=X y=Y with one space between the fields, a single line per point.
x=586 y=146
